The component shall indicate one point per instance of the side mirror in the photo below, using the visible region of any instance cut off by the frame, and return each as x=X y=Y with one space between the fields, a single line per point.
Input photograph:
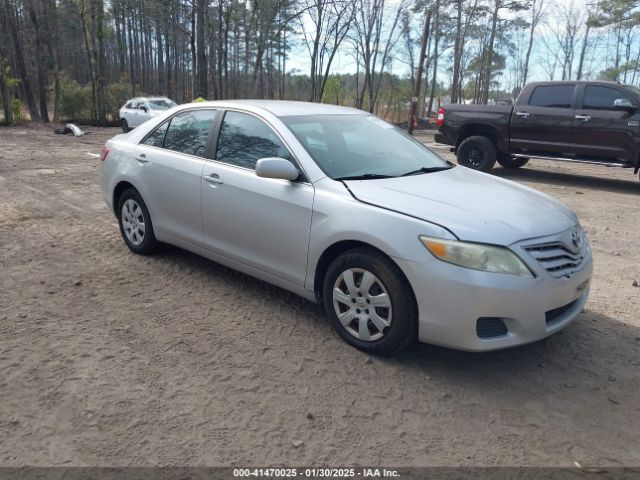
x=144 y=108
x=275 y=167
x=623 y=104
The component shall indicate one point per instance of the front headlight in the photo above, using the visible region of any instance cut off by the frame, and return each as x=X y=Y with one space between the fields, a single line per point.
x=478 y=256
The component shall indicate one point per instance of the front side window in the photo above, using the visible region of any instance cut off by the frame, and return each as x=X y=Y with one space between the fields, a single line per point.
x=245 y=139
x=602 y=98
x=188 y=132
x=364 y=146
x=552 y=96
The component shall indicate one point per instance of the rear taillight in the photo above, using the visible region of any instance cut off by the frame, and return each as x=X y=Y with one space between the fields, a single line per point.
x=441 y=113
x=105 y=152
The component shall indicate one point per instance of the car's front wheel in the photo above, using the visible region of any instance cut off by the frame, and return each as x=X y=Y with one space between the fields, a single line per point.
x=135 y=223
x=125 y=126
x=370 y=302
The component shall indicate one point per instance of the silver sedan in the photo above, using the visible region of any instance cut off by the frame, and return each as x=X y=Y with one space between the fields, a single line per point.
x=344 y=209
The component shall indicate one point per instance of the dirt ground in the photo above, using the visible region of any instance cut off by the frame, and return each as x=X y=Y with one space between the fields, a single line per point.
x=112 y=359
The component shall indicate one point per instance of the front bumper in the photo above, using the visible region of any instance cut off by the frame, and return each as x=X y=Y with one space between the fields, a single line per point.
x=451 y=299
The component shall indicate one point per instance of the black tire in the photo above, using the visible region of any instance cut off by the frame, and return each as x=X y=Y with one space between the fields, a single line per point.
x=402 y=329
x=125 y=126
x=477 y=152
x=148 y=243
x=507 y=161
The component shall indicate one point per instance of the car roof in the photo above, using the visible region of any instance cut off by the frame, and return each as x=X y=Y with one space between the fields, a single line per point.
x=281 y=108
x=579 y=82
x=148 y=98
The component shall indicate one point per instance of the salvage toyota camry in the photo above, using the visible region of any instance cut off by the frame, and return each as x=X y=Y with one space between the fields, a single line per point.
x=344 y=209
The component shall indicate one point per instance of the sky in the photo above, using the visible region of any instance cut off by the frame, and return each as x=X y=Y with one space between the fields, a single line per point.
x=344 y=61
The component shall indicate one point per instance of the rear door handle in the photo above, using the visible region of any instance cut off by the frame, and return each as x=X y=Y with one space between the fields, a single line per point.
x=584 y=118
x=214 y=178
x=142 y=158
x=523 y=114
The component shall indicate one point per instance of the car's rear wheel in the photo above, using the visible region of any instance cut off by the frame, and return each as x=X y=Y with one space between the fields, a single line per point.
x=135 y=223
x=477 y=152
x=125 y=125
x=370 y=302
x=507 y=161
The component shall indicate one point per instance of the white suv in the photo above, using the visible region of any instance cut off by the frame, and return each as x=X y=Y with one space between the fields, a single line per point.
x=138 y=110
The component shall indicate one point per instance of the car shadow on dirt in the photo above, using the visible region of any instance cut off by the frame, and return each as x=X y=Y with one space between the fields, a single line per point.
x=594 y=353
x=595 y=348
x=571 y=180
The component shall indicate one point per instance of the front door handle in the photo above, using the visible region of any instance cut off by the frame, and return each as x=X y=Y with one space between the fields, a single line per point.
x=583 y=118
x=142 y=158
x=523 y=114
x=214 y=178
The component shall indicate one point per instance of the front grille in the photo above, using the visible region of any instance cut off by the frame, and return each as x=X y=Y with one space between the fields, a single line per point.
x=490 y=327
x=558 y=258
x=552 y=315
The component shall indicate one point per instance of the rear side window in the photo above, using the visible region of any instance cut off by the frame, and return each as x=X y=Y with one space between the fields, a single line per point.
x=602 y=98
x=552 y=96
x=156 y=138
x=188 y=132
x=245 y=139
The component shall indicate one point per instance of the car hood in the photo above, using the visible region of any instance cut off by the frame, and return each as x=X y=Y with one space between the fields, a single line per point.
x=474 y=206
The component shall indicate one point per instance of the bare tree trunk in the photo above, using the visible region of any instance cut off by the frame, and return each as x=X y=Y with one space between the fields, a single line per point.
x=42 y=64
x=120 y=48
x=99 y=62
x=485 y=76
x=6 y=96
x=536 y=13
x=201 y=82
x=51 y=13
x=418 y=82
x=132 y=71
x=19 y=59
x=435 y=58
x=582 y=52
x=457 y=54
x=194 y=58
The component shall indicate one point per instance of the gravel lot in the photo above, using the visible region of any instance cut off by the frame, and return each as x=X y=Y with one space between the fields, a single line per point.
x=111 y=359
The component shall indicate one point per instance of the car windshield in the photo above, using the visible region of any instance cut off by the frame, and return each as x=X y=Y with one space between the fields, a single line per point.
x=161 y=104
x=362 y=147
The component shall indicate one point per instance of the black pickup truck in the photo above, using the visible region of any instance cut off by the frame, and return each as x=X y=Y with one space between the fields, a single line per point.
x=584 y=122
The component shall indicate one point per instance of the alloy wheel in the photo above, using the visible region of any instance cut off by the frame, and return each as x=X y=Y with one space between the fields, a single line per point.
x=475 y=156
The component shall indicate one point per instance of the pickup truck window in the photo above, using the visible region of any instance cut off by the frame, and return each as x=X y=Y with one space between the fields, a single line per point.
x=552 y=96
x=601 y=98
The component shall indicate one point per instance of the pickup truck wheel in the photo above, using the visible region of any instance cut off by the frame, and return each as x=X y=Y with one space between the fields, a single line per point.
x=507 y=161
x=477 y=152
